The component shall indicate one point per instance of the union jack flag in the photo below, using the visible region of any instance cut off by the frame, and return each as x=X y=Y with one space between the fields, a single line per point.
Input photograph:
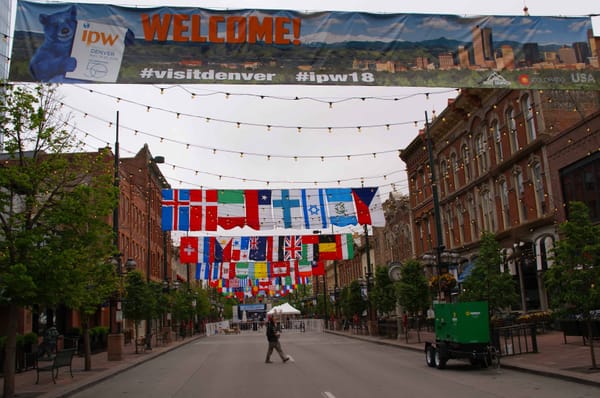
x=292 y=248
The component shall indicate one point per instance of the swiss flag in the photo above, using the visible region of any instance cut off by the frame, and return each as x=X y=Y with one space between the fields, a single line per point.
x=188 y=249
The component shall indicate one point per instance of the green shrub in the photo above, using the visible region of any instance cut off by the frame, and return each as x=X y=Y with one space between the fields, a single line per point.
x=30 y=338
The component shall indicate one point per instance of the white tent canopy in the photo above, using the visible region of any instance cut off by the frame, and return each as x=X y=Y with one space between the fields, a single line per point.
x=283 y=309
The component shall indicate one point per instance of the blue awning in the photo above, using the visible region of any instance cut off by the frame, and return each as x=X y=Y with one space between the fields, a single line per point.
x=465 y=273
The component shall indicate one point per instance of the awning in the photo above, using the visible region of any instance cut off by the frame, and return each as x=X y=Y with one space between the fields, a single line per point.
x=465 y=273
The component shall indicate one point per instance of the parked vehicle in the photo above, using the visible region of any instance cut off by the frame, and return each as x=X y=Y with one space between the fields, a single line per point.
x=462 y=331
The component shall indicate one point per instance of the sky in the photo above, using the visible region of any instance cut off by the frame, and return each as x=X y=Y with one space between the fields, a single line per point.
x=204 y=148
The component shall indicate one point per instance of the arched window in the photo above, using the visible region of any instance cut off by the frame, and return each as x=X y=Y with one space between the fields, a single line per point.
x=520 y=192
x=444 y=177
x=454 y=165
x=538 y=184
x=528 y=112
x=503 y=188
x=481 y=149
x=512 y=129
x=466 y=162
x=497 y=140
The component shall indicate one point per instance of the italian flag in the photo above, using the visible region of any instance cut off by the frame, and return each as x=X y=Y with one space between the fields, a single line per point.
x=345 y=247
x=231 y=210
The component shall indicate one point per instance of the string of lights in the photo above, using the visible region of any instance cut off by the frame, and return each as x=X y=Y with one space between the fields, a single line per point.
x=267 y=126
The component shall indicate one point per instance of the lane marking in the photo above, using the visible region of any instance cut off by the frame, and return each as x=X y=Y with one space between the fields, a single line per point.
x=327 y=394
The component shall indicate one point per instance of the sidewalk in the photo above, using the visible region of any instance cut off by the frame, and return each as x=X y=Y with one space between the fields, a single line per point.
x=555 y=359
x=102 y=369
x=571 y=361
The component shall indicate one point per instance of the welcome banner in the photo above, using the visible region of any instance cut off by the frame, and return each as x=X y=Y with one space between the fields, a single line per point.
x=100 y=43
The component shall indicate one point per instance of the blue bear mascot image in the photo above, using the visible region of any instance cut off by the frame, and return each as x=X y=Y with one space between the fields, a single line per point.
x=52 y=60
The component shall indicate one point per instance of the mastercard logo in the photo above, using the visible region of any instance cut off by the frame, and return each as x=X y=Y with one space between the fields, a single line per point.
x=524 y=80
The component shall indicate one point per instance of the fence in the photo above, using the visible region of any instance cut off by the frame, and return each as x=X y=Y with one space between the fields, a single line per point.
x=515 y=339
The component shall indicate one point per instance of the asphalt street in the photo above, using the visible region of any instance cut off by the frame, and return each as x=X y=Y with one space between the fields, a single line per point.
x=322 y=365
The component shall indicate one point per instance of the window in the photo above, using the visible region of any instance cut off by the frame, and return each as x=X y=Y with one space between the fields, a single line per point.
x=466 y=162
x=444 y=176
x=527 y=109
x=512 y=130
x=538 y=184
x=481 y=149
x=487 y=210
x=504 y=203
x=454 y=165
x=498 y=141
x=520 y=187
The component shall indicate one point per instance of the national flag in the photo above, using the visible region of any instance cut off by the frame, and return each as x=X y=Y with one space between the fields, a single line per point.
x=292 y=248
x=226 y=270
x=258 y=248
x=368 y=206
x=304 y=268
x=206 y=249
x=287 y=208
x=273 y=248
x=175 y=209
x=327 y=247
x=223 y=249
x=202 y=271
x=239 y=248
x=215 y=271
x=340 y=205
x=259 y=211
x=203 y=210
x=318 y=268
x=241 y=270
x=280 y=268
x=313 y=206
x=345 y=246
x=188 y=249
x=231 y=209
x=261 y=270
x=310 y=247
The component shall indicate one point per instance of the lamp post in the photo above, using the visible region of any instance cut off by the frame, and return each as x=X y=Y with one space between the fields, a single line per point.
x=436 y=202
x=370 y=312
x=115 y=340
x=152 y=161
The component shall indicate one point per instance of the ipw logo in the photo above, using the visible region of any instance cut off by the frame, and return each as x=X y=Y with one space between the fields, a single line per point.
x=90 y=37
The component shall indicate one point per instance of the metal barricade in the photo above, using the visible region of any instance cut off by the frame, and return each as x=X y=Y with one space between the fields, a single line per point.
x=515 y=339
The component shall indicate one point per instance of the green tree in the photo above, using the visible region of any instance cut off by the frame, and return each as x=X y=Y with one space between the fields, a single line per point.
x=412 y=290
x=352 y=300
x=383 y=295
x=487 y=282
x=573 y=279
x=51 y=236
x=139 y=302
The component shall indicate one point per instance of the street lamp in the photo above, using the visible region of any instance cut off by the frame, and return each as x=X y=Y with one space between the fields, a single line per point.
x=152 y=160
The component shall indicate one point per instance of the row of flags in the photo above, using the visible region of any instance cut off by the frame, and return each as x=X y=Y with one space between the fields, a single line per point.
x=245 y=249
x=319 y=208
x=252 y=279
x=244 y=273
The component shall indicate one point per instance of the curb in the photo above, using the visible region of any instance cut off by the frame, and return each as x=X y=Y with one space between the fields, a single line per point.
x=539 y=372
x=109 y=373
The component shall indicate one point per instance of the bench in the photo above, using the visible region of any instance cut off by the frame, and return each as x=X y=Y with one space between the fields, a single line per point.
x=62 y=359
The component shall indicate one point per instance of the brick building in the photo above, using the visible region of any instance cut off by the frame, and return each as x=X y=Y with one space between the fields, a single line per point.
x=493 y=172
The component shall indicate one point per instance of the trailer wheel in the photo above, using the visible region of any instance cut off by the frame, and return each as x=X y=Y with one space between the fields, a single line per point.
x=440 y=357
x=430 y=356
x=493 y=357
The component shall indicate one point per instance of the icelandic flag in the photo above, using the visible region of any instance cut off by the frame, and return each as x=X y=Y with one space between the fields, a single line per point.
x=175 y=209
